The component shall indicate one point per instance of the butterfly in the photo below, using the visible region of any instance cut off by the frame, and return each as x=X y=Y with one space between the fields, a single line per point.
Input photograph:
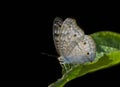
x=73 y=46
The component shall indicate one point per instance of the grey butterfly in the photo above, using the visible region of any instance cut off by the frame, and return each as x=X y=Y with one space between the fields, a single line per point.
x=71 y=43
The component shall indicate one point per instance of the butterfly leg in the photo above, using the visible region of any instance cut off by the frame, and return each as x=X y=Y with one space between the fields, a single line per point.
x=65 y=66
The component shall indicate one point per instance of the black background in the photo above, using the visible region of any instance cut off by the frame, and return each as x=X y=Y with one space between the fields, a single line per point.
x=28 y=26
x=41 y=70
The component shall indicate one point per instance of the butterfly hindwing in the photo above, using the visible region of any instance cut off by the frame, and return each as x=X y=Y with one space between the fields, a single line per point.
x=56 y=33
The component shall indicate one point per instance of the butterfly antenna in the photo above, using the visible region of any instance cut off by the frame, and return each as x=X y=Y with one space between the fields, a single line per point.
x=48 y=54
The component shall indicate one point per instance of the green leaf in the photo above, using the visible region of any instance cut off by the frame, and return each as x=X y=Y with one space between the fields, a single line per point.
x=107 y=55
x=106 y=42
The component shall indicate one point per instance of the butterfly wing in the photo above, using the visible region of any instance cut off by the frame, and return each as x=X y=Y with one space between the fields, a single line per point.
x=56 y=33
x=70 y=32
x=71 y=43
x=64 y=36
x=83 y=52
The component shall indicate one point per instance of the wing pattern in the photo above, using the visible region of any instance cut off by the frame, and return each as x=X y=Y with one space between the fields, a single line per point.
x=71 y=43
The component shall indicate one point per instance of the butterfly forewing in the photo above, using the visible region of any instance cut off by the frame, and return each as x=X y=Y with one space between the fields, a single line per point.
x=68 y=35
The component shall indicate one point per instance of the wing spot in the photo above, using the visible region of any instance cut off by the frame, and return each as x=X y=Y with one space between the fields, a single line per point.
x=75 y=35
x=56 y=34
x=84 y=43
x=87 y=53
